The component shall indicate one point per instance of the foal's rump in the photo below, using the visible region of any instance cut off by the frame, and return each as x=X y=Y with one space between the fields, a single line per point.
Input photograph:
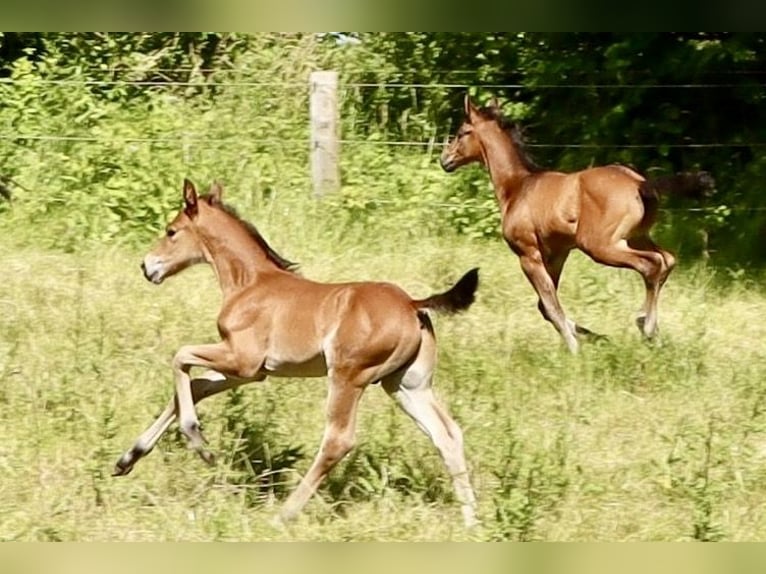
x=619 y=189
x=373 y=302
x=383 y=324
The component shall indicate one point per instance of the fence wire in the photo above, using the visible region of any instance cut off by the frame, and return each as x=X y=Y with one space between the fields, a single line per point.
x=189 y=140
x=207 y=82
x=192 y=139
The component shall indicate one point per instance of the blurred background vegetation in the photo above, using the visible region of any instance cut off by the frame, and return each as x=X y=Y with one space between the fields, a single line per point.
x=98 y=129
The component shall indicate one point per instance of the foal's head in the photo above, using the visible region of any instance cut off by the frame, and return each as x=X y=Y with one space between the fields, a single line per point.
x=465 y=147
x=181 y=246
x=480 y=127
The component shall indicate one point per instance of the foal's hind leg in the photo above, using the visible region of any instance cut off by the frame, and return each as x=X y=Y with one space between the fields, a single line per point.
x=412 y=391
x=649 y=263
x=207 y=384
x=339 y=436
x=649 y=308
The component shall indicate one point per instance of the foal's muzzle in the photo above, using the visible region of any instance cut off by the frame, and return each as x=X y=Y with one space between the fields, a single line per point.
x=152 y=269
x=447 y=164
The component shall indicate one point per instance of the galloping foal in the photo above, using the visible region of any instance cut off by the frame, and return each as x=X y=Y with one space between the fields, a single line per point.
x=274 y=322
x=606 y=212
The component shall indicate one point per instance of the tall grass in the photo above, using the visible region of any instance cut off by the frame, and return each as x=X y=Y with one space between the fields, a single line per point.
x=626 y=441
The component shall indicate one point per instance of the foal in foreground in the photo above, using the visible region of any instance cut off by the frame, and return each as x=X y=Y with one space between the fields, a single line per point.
x=606 y=212
x=274 y=322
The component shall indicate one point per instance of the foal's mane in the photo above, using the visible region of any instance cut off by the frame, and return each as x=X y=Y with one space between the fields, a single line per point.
x=515 y=132
x=272 y=255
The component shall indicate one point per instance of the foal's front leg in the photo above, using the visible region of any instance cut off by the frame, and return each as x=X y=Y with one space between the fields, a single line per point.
x=206 y=385
x=217 y=356
x=549 y=305
x=554 y=264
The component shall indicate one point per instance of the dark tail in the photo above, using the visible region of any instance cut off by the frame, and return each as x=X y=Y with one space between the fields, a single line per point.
x=691 y=184
x=458 y=298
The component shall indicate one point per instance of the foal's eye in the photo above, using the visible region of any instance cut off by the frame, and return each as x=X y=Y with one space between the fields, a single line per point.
x=171 y=232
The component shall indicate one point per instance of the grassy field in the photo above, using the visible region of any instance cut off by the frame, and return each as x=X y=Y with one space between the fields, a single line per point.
x=626 y=441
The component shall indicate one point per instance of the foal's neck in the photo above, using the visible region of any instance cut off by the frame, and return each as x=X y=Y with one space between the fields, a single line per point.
x=505 y=166
x=237 y=260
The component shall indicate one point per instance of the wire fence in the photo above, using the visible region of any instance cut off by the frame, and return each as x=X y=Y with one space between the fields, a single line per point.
x=182 y=139
x=440 y=71
x=186 y=139
x=205 y=81
x=194 y=139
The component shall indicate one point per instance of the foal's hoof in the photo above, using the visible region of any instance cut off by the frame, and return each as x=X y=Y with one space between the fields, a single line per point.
x=278 y=522
x=590 y=335
x=207 y=456
x=121 y=468
x=651 y=337
x=641 y=324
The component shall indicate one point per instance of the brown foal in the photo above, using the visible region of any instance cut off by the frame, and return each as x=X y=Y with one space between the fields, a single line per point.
x=606 y=212
x=275 y=322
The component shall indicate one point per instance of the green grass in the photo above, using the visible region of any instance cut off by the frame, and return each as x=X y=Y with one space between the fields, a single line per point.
x=626 y=441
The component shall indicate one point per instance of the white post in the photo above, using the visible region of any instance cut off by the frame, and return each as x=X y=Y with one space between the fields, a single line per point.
x=325 y=128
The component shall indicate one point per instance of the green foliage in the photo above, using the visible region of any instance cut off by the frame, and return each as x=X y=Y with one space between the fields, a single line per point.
x=125 y=116
x=695 y=480
x=407 y=193
x=615 y=90
x=527 y=490
x=118 y=149
x=409 y=85
x=112 y=168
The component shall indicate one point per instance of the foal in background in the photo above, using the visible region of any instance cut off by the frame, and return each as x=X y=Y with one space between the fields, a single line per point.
x=606 y=212
x=275 y=322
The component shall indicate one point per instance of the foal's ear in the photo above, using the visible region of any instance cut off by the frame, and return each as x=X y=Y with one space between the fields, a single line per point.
x=470 y=109
x=493 y=103
x=215 y=193
x=190 y=198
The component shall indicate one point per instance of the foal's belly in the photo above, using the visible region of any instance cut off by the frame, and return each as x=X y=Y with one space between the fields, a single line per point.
x=316 y=366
